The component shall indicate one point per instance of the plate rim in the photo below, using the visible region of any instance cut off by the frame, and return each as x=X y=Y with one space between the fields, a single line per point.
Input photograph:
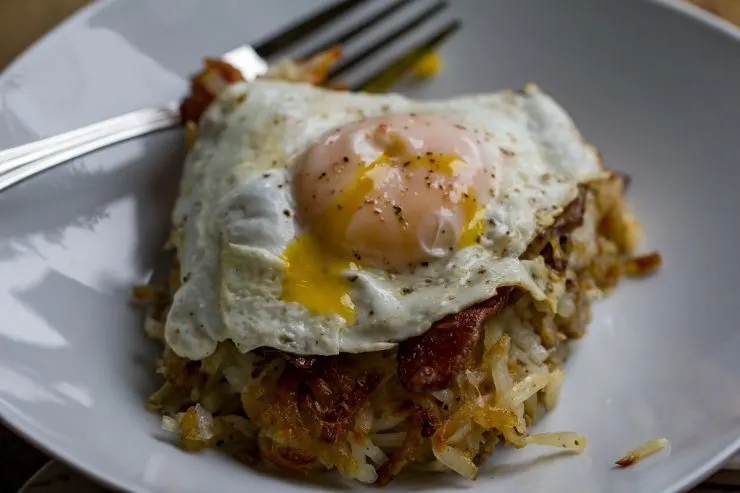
x=104 y=477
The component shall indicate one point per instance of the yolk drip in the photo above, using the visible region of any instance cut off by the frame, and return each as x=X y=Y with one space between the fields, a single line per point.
x=313 y=278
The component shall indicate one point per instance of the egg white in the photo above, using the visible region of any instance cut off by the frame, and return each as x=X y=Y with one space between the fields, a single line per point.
x=235 y=216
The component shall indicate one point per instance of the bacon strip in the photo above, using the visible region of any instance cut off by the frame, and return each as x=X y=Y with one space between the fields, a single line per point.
x=431 y=360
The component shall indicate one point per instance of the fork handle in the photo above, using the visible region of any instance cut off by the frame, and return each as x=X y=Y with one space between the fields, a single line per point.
x=20 y=163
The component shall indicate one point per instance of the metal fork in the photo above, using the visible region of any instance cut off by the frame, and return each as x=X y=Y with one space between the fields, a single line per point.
x=20 y=163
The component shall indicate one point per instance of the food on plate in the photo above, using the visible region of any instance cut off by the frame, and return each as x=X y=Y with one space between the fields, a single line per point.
x=643 y=452
x=428 y=66
x=369 y=283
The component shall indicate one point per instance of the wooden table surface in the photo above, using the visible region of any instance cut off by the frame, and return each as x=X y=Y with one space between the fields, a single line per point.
x=21 y=23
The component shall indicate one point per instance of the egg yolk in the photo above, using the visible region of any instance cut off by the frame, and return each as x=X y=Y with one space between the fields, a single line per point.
x=391 y=192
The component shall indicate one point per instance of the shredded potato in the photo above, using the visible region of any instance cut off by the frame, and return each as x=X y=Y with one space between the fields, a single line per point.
x=357 y=418
x=389 y=440
x=146 y=294
x=564 y=439
x=191 y=134
x=643 y=451
x=552 y=391
x=456 y=460
x=170 y=424
x=523 y=390
x=643 y=265
x=154 y=328
x=197 y=428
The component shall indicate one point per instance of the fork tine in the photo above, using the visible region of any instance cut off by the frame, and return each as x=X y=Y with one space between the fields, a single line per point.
x=358 y=29
x=304 y=27
x=384 y=78
x=390 y=38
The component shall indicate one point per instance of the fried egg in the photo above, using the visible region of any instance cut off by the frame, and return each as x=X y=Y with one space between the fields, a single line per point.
x=318 y=222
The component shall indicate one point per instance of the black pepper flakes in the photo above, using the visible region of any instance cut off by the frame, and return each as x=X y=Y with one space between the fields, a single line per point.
x=407 y=290
x=286 y=213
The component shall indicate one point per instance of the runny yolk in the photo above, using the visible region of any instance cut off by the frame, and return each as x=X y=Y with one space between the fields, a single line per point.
x=385 y=192
x=313 y=278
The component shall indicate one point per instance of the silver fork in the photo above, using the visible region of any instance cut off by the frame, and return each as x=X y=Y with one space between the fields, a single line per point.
x=20 y=163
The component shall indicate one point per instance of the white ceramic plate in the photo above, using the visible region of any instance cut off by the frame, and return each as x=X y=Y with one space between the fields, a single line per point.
x=56 y=477
x=655 y=87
